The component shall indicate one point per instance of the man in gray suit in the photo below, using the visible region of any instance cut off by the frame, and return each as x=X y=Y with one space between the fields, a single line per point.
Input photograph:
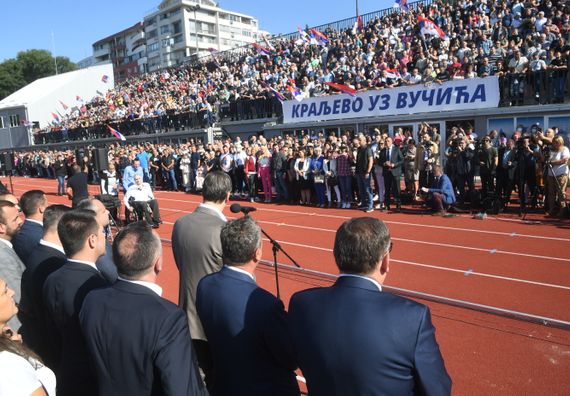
x=11 y=267
x=198 y=252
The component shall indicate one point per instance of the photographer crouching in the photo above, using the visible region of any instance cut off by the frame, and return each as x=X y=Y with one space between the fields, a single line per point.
x=440 y=195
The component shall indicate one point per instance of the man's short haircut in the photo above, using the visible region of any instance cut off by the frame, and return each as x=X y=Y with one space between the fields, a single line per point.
x=52 y=215
x=359 y=245
x=217 y=186
x=240 y=239
x=135 y=249
x=86 y=204
x=5 y=204
x=31 y=200
x=74 y=228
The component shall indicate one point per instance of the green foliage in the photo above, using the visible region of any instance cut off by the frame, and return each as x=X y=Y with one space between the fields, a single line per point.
x=29 y=66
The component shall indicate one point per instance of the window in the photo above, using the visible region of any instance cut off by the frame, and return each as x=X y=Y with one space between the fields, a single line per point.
x=225 y=29
x=152 y=34
x=178 y=38
x=167 y=42
x=1 y=122
x=246 y=33
x=153 y=47
x=151 y=21
x=164 y=16
x=177 y=27
x=164 y=29
x=235 y=18
x=15 y=120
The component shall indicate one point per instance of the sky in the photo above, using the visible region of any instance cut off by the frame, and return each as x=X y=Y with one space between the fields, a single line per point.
x=76 y=25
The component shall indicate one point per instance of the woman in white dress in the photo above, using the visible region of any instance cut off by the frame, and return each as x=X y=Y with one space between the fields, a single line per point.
x=21 y=371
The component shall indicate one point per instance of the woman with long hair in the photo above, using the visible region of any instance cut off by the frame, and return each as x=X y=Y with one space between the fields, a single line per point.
x=302 y=168
x=23 y=373
x=264 y=172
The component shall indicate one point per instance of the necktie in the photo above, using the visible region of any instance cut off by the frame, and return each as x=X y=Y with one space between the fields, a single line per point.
x=388 y=153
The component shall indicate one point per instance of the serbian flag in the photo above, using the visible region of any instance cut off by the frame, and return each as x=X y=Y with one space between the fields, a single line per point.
x=55 y=116
x=342 y=88
x=277 y=94
x=393 y=73
x=427 y=26
x=261 y=50
x=105 y=78
x=358 y=25
x=116 y=133
x=402 y=4
x=320 y=37
x=296 y=93
x=65 y=107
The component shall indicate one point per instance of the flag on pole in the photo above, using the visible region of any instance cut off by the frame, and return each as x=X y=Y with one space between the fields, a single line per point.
x=100 y=93
x=261 y=50
x=427 y=26
x=358 y=25
x=343 y=88
x=78 y=98
x=105 y=78
x=65 y=107
x=295 y=92
x=55 y=116
x=116 y=133
x=269 y=45
x=402 y=4
x=393 y=73
x=319 y=37
x=303 y=37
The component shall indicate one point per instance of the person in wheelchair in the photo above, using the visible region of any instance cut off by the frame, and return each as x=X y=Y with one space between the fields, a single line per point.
x=140 y=199
x=440 y=195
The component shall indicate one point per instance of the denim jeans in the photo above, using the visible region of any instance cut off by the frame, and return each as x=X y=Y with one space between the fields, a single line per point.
x=61 y=185
x=365 y=191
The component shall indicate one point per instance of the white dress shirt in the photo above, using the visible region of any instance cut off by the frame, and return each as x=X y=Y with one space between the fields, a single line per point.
x=363 y=277
x=141 y=193
x=149 y=285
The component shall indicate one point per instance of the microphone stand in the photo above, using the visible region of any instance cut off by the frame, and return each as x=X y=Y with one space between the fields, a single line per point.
x=276 y=247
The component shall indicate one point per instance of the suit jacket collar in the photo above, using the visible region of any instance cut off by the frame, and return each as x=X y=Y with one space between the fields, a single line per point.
x=210 y=211
x=133 y=288
x=356 y=282
x=236 y=275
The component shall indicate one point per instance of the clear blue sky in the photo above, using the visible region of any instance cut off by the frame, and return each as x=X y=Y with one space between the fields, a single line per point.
x=28 y=24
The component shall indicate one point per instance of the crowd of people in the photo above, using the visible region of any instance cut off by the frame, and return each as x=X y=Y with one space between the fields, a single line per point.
x=69 y=327
x=346 y=171
x=523 y=42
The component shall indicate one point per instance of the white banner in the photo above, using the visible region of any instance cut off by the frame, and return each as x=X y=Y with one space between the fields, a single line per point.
x=474 y=93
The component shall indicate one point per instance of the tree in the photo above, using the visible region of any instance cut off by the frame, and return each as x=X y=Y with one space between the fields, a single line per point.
x=11 y=78
x=29 y=66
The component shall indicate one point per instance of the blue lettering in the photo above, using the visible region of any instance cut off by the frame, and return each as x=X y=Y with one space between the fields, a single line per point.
x=479 y=94
x=429 y=98
x=357 y=105
x=401 y=101
x=336 y=106
x=373 y=101
x=345 y=106
x=325 y=109
x=312 y=110
x=295 y=111
x=462 y=93
x=385 y=102
x=443 y=94
x=414 y=97
x=304 y=108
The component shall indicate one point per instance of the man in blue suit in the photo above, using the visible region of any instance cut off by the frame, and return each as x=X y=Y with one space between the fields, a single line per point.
x=441 y=192
x=33 y=204
x=353 y=338
x=246 y=326
x=139 y=342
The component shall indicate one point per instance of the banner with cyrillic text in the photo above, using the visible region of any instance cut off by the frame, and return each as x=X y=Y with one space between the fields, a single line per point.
x=470 y=94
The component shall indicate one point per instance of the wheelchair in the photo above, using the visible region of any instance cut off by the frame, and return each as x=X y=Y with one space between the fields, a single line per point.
x=137 y=214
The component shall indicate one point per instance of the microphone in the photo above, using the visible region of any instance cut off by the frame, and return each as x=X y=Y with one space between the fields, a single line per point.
x=236 y=208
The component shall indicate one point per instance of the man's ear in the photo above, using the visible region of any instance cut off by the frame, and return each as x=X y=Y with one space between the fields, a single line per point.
x=157 y=264
x=385 y=264
x=258 y=254
x=92 y=241
x=2 y=228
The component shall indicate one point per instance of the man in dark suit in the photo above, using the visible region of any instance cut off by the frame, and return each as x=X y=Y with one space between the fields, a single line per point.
x=198 y=252
x=83 y=240
x=150 y=353
x=104 y=263
x=33 y=204
x=77 y=188
x=506 y=171
x=353 y=338
x=47 y=257
x=246 y=326
x=391 y=160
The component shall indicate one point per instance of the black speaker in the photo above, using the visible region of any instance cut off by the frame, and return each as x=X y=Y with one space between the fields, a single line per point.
x=100 y=159
x=8 y=161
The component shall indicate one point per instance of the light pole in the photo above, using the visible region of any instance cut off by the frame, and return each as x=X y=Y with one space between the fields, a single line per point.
x=357 y=8
x=195 y=8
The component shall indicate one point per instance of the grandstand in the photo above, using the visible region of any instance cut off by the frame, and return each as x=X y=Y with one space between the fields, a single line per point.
x=518 y=55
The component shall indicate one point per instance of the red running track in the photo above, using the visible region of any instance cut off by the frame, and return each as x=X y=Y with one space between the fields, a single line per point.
x=501 y=262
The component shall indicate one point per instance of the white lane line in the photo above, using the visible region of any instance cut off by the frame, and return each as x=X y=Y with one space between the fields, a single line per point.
x=268 y=209
x=436 y=267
